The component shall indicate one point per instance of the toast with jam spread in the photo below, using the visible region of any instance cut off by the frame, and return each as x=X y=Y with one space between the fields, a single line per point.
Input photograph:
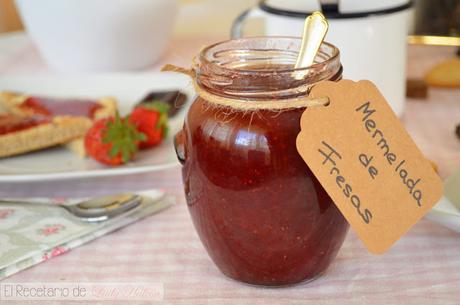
x=29 y=123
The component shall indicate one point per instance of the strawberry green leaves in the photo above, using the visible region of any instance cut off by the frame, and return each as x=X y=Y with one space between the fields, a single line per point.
x=123 y=137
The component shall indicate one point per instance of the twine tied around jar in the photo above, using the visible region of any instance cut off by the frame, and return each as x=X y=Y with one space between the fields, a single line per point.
x=247 y=104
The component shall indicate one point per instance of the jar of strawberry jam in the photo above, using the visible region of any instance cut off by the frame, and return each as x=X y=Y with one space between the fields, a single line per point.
x=259 y=211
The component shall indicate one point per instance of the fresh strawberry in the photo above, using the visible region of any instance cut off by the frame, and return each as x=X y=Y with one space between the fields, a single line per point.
x=152 y=120
x=112 y=141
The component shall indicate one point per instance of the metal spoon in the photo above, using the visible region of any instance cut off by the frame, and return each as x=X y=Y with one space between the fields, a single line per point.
x=315 y=29
x=95 y=209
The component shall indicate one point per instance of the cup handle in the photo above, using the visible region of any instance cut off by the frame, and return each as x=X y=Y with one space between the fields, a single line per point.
x=238 y=24
x=179 y=146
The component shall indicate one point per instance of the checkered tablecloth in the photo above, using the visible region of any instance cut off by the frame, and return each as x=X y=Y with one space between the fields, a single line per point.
x=422 y=268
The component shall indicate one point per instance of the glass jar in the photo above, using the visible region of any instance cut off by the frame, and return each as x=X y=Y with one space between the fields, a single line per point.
x=260 y=212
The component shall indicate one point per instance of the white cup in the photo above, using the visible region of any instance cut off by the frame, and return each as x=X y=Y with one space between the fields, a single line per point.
x=372 y=41
x=99 y=35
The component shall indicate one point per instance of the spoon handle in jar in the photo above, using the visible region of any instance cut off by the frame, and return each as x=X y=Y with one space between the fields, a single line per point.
x=315 y=29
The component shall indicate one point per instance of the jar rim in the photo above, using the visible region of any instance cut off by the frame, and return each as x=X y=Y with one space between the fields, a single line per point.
x=204 y=52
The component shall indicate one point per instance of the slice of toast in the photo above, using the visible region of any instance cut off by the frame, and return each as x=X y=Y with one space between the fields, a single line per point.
x=45 y=134
x=15 y=103
x=19 y=104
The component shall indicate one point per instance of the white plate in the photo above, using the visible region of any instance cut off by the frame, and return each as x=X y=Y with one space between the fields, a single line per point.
x=447 y=211
x=60 y=163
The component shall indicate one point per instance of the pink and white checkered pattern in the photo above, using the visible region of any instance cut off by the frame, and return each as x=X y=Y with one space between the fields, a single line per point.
x=422 y=268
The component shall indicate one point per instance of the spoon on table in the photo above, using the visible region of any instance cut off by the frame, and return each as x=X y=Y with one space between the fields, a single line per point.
x=315 y=29
x=95 y=209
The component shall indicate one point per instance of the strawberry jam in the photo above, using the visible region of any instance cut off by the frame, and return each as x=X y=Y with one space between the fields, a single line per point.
x=258 y=209
x=12 y=123
x=59 y=106
x=260 y=212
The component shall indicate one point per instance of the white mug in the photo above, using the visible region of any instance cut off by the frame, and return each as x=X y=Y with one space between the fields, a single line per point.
x=372 y=41
x=99 y=35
